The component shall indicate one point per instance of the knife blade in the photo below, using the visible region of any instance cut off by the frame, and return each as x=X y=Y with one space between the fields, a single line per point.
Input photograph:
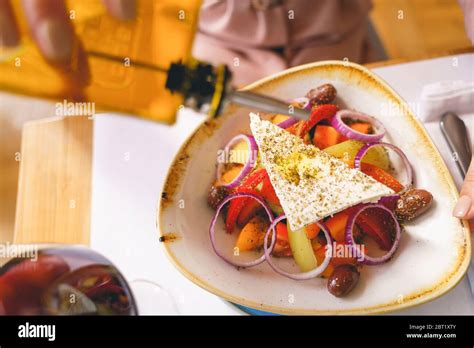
x=455 y=132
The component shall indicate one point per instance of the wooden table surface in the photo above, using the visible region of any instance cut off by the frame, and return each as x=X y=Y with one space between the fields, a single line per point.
x=415 y=28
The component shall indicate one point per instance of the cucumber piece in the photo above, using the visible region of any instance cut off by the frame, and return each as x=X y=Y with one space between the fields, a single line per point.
x=240 y=153
x=278 y=118
x=302 y=250
x=348 y=149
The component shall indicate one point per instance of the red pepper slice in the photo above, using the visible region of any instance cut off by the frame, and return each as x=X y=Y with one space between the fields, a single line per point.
x=381 y=176
x=282 y=246
x=255 y=178
x=375 y=223
x=282 y=231
x=318 y=114
x=251 y=208
x=247 y=186
x=268 y=192
x=236 y=207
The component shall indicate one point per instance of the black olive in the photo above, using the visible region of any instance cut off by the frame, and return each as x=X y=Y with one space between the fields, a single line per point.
x=324 y=94
x=216 y=195
x=343 y=279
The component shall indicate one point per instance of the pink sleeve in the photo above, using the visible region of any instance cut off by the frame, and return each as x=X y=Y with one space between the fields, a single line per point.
x=468 y=9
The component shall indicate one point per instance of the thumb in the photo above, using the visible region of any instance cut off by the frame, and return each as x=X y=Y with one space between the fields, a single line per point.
x=465 y=208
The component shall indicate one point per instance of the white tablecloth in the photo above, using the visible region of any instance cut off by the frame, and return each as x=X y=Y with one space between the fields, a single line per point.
x=130 y=161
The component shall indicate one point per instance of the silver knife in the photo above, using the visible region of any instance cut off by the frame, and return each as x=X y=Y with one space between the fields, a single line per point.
x=455 y=132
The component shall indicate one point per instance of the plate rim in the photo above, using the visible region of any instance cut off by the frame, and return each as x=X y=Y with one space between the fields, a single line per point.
x=435 y=291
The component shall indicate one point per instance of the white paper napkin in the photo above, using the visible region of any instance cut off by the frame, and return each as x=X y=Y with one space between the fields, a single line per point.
x=436 y=99
x=456 y=96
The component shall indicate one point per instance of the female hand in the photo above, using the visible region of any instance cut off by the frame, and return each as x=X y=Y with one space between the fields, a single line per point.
x=464 y=209
x=50 y=26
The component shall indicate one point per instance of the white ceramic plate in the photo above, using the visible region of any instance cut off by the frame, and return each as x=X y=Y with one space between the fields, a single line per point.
x=435 y=249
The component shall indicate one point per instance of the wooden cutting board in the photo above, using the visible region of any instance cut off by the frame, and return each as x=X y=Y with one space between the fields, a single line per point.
x=54 y=189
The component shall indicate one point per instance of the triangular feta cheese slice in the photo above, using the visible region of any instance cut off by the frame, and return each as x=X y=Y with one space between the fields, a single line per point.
x=310 y=183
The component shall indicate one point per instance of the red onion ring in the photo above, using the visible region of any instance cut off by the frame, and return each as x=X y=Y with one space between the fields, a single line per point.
x=287 y=123
x=364 y=149
x=296 y=276
x=213 y=224
x=247 y=168
x=302 y=100
x=350 y=133
x=389 y=201
x=349 y=237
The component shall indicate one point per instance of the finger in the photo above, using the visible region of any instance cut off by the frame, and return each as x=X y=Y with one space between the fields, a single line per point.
x=53 y=32
x=465 y=208
x=50 y=28
x=9 y=35
x=121 y=9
